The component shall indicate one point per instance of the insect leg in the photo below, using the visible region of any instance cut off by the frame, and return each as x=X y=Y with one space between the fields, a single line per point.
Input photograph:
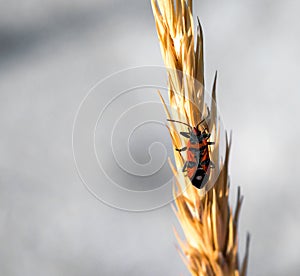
x=184 y=166
x=183 y=149
x=185 y=134
x=188 y=164
x=206 y=136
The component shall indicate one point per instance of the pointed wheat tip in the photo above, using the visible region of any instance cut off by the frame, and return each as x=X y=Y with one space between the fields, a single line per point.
x=238 y=193
x=200 y=27
x=246 y=257
x=215 y=85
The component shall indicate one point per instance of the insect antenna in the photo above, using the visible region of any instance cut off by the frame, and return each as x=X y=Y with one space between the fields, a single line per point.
x=208 y=114
x=170 y=120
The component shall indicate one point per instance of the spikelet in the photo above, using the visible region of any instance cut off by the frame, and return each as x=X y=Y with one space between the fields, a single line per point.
x=208 y=222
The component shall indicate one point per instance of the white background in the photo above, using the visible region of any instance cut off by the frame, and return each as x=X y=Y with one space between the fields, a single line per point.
x=52 y=52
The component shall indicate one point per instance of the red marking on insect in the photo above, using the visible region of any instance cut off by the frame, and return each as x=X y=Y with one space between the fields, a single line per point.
x=198 y=163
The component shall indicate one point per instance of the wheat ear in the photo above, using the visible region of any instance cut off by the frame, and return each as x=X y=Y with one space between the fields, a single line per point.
x=208 y=222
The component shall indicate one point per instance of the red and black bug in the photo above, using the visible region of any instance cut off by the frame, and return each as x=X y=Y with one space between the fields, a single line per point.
x=198 y=163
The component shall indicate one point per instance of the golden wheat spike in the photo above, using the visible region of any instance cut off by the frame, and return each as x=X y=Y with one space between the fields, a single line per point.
x=208 y=222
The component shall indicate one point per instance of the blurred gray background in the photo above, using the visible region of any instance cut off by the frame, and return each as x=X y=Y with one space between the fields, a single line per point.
x=52 y=52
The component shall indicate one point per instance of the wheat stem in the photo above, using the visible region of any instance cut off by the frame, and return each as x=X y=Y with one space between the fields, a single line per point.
x=208 y=222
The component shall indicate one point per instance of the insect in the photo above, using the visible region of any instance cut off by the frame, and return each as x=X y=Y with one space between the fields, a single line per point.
x=198 y=163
